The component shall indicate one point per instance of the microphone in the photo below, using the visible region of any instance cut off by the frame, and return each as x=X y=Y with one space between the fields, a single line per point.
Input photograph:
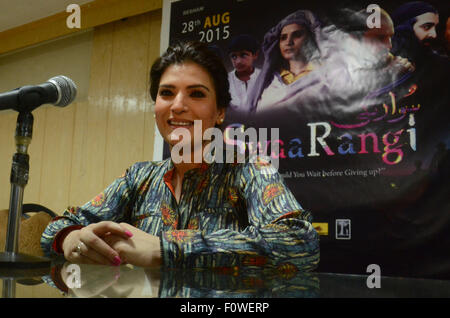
x=59 y=91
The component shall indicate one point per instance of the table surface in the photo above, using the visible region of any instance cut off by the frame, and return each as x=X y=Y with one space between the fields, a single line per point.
x=72 y=280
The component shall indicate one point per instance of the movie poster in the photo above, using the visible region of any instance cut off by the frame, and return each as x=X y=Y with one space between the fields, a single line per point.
x=359 y=93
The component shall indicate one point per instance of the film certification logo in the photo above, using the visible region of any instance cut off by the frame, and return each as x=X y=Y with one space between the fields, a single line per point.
x=343 y=229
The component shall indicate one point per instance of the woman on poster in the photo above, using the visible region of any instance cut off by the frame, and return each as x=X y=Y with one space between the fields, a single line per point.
x=291 y=54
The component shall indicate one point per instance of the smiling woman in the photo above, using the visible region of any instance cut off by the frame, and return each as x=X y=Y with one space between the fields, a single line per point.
x=189 y=215
x=186 y=93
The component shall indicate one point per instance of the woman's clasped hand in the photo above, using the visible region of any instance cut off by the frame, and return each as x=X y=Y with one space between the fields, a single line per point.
x=111 y=243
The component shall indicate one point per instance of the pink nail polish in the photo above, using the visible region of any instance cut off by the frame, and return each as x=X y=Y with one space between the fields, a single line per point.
x=117 y=261
x=128 y=233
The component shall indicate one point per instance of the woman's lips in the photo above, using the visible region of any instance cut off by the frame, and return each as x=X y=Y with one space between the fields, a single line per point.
x=180 y=123
x=177 y=123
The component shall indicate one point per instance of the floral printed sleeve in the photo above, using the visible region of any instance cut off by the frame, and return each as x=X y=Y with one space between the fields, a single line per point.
x=112 y=204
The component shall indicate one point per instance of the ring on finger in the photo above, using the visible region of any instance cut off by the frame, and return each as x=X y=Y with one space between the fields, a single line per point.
x=78 y=248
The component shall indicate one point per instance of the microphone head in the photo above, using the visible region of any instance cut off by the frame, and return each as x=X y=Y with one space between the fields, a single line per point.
x=67 y=90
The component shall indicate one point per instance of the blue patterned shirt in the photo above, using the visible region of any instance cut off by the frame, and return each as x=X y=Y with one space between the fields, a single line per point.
x=229 y=216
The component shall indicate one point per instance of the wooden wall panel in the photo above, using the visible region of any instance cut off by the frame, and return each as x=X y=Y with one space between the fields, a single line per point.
x=152 y=54
x=90 y=123
x=68 y=56
x=129 y=102
x=57 y=157
x=7 y=149
x=78 y=150
x=125 y=126
x=93 y=14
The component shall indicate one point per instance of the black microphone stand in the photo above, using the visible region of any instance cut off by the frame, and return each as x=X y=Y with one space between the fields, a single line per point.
x=13 y=263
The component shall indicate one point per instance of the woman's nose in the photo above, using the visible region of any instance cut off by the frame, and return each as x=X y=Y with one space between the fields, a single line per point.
x=179 y=103
x=290 y=40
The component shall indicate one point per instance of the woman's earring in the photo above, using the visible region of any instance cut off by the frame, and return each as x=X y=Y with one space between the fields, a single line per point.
x=220 y=121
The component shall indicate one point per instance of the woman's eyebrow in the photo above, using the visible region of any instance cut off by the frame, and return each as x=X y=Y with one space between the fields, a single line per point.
x=197 y=86
x=190 y=86
x=166 y=86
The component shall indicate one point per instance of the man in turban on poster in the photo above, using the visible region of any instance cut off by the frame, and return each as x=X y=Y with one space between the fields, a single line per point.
x=415 y=38
x=415 y=30
x=415 y=35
